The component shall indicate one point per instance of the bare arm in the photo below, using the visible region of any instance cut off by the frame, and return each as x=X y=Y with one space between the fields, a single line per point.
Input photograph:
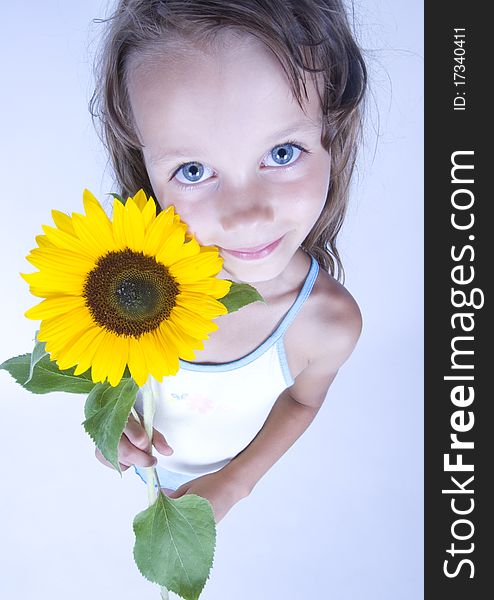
x=286 y=422
x=297 y=406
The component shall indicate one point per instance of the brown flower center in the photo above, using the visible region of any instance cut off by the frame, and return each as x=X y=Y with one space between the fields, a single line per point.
x=129 y=293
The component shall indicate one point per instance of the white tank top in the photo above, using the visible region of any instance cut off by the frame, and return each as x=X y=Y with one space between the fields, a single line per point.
x=209 y=413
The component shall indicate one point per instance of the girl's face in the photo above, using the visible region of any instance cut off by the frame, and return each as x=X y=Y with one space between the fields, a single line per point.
x=225 y=142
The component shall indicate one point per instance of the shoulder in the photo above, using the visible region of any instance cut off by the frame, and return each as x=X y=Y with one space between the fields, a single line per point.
x=333 y=320
x=322 y=337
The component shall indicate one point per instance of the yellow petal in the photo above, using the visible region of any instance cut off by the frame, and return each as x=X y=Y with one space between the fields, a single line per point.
x=98 y=219
x=149 y=213
x=44 y=242
x=164 y=357
x=61 y=239
x=57 y=331
x=63 y=221
x=86 y=358
x=134 y=226
x=118 y=225
x=119 y=362
x=168 y=355
x=201 y=303
x=110 y=359
x=170 y=209
x=93 y=207
x=170 y=247
x=184 y=343
x=190 y=248
x=137 y=362
x=71 y=284
x=93 y=235
x=42 y=293
x=157 y=233
x=205 y=264
x=60 y=260
x=52 y=307
x=191 y=322
x=157 y=358
x=217 y=288
x=140 y=199
x=75 y=349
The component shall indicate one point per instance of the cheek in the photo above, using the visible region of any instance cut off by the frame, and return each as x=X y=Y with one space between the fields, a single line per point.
x=309 y=194
x=198 y=224
x=195 y=216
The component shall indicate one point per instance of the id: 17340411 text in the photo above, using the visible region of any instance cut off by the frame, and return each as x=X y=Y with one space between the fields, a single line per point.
x=459 y=68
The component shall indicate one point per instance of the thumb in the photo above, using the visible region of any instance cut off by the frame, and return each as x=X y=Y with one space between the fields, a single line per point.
x=160 y=443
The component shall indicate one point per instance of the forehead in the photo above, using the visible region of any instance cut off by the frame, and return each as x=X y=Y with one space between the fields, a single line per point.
x=235 y=87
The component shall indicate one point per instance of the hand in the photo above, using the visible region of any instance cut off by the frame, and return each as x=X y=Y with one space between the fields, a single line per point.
x=222 y=491
x=134 y=447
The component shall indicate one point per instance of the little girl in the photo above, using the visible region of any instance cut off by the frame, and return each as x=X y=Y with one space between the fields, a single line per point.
x=244 y=115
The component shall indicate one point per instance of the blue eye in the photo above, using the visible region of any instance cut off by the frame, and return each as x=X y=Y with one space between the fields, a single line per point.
x=192 y=172
x=284 y=153
x=195 y=172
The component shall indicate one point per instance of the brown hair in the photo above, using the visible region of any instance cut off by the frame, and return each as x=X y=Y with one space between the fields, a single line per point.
x=305 y=36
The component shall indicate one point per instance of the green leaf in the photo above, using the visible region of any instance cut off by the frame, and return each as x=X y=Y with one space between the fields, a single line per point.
x=36 y=355
x=46 y=376
x=175 y=541
x=117 y=197
x=107 y=411
x=240 y=295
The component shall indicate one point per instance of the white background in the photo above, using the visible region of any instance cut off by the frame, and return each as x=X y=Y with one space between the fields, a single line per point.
x=340 y=515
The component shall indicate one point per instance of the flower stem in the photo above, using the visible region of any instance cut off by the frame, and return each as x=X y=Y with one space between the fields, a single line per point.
x=152 y=478
x=151 y=474
x=135 y=415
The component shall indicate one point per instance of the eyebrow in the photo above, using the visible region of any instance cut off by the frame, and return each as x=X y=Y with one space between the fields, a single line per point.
x=184 y=152
x=299 y=126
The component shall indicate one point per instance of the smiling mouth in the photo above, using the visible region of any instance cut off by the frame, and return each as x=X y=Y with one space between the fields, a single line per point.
x=255 y=252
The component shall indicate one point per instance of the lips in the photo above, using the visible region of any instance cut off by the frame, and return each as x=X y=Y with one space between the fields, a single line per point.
x=254 y=252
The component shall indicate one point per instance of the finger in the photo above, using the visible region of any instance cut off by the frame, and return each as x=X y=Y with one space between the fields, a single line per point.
x=128 y=455
x=131 y=455
x=167 y=491
x=136 y=433
x=160 y=443
x=105 y=462
x=179 y=491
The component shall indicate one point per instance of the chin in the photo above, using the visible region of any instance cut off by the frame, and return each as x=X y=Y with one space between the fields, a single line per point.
x=254 y=273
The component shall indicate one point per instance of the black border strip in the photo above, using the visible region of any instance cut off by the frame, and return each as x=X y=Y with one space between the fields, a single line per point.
x=457 y=122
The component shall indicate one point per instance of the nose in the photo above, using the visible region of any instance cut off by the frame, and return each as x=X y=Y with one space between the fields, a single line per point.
x=246 y=207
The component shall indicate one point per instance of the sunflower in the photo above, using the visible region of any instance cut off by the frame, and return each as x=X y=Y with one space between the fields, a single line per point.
x=136 y=291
